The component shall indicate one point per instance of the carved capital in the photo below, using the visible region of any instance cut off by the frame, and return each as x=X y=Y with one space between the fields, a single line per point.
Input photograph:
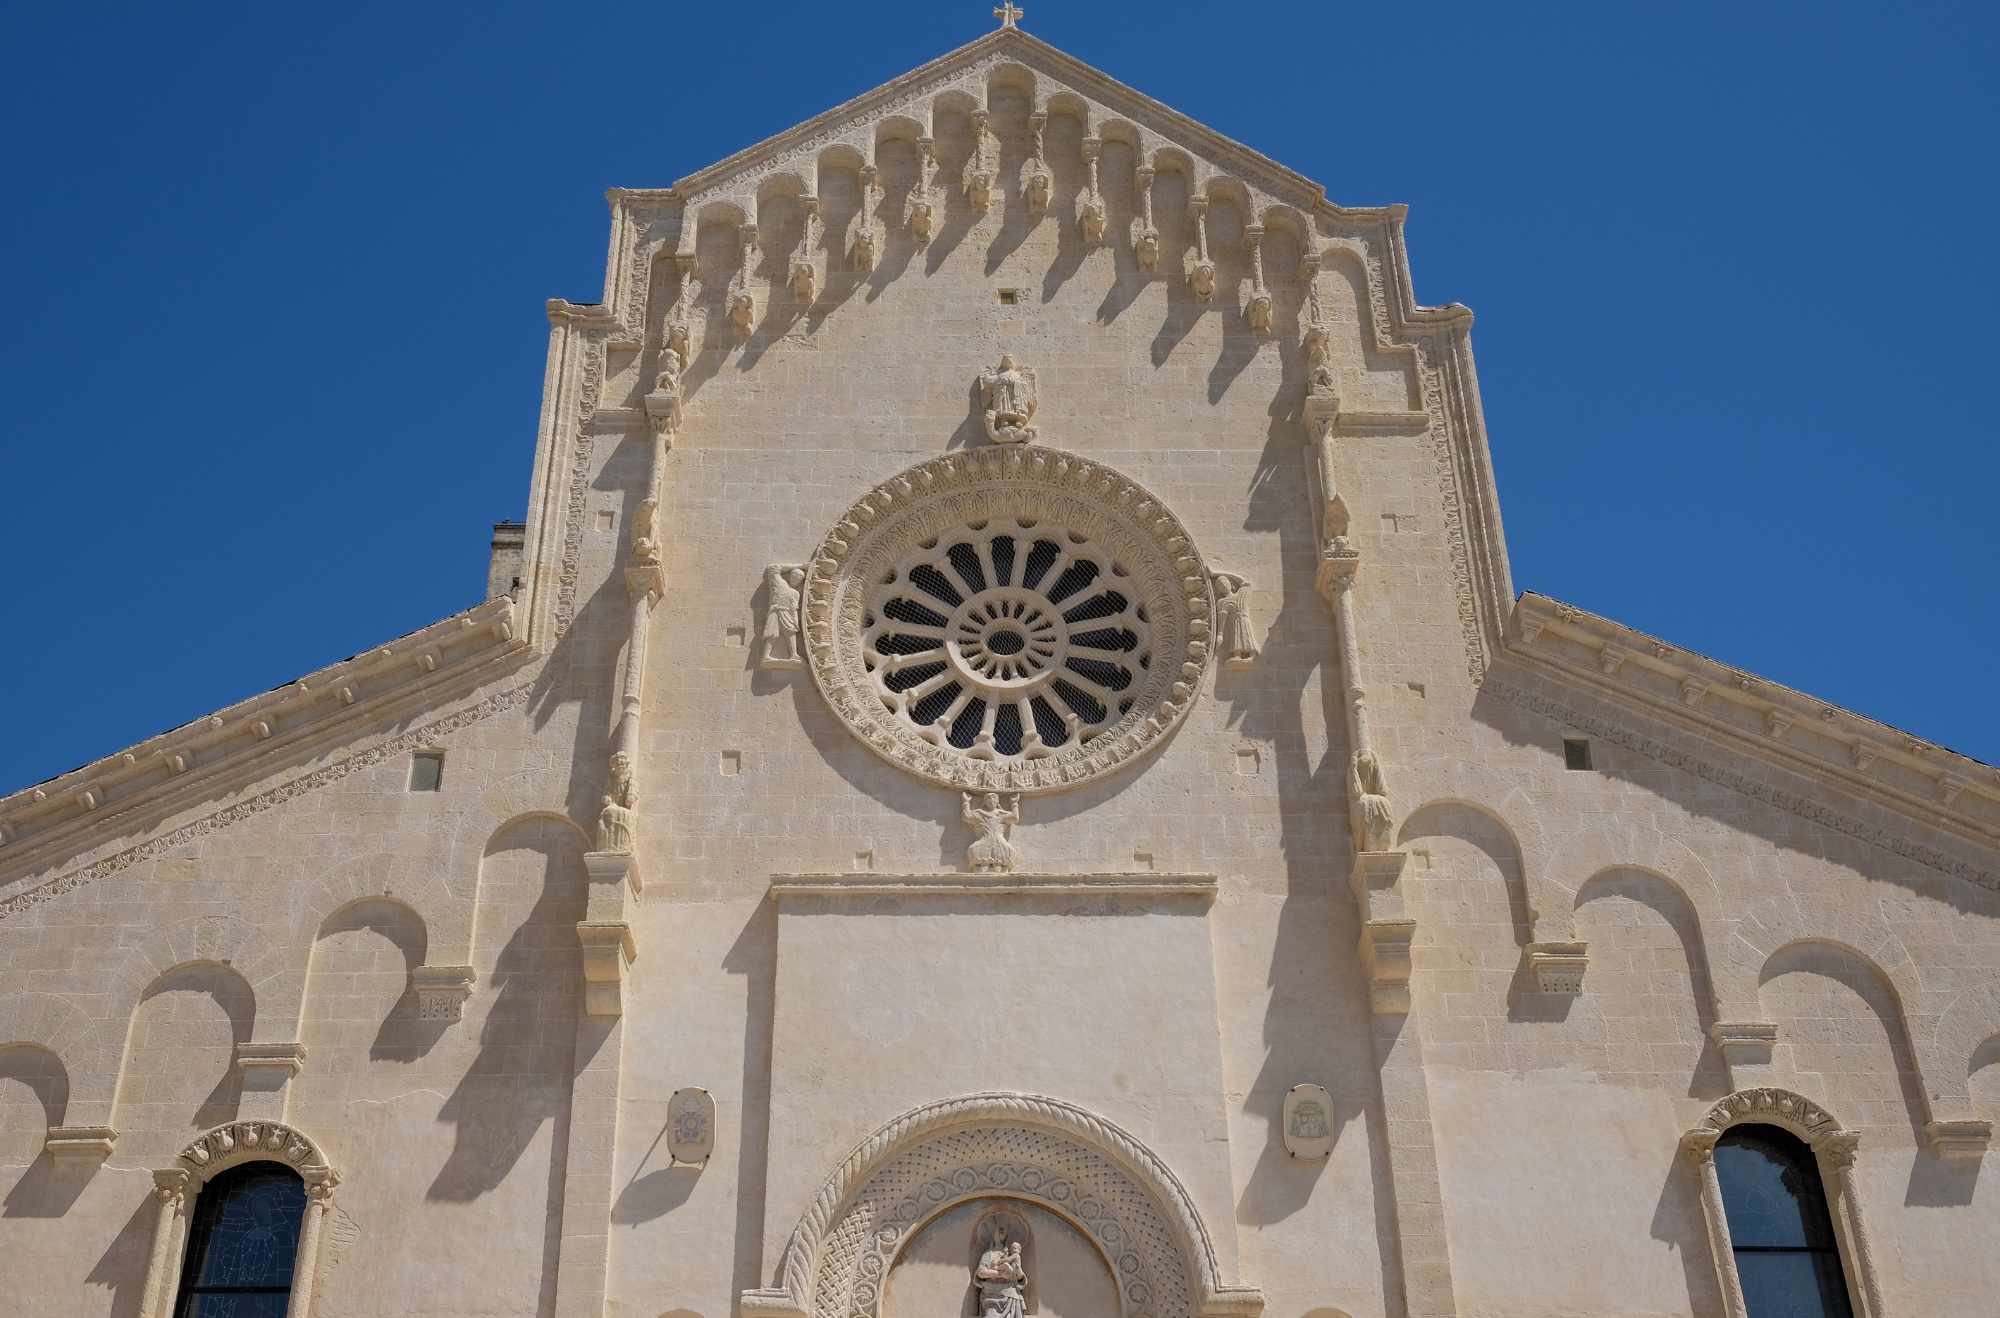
x=1838 y=1150
x=1559 y=967
x=442 y=991
x=1612 y=658
x=1698 y=1146
x=171 y=1186
x=1338 y=563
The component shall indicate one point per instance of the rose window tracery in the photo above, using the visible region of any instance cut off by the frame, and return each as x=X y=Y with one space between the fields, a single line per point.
x=1007 y=639
x=1007 y=618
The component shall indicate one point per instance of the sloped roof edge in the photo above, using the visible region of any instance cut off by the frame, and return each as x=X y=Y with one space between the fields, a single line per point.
x=320 y=706
x=1915 y=777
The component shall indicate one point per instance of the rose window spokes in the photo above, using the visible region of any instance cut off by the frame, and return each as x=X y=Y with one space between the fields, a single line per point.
x=1007 y=640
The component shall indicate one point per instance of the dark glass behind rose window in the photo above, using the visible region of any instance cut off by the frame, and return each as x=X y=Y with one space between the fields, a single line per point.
x=1779 y=1226
x=242 y=1243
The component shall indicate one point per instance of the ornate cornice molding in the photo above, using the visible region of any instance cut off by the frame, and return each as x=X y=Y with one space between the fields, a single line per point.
x=1768 y=720
x=1757 y=786
x=236 y=744
x=1144 y=883
x=425 y=735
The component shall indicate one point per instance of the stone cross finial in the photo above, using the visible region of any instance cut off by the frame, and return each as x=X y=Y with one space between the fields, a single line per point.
x=1009 y=14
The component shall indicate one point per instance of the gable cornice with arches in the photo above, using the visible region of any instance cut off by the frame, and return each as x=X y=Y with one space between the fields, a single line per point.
x=654 y=225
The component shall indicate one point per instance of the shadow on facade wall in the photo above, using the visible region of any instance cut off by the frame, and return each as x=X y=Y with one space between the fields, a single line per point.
x=533 y=1038
x=122 y=1267
x=1679 y=1225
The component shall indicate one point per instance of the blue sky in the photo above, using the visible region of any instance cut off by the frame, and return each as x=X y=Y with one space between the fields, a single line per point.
x=278 y=274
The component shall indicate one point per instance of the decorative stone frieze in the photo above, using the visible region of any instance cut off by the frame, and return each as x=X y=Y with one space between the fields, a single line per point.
x=1559 y=967
x=994 y=640
x=1024 y=1147
x=82 y=1145
x=442 y=991
x=252 y=1141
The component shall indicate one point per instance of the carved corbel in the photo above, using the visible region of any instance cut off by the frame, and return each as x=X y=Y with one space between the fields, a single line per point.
x=1146 y=247
x=1090 y=207
x=442 y=991
x=742 y=302
x=1950 y=788
x=804 y=277
x=269 y=1065
x=1744 y=1043
x=1202 y=277
x=677 y=334
x=1258 y=312
x=1863 y=755
x=871 y=198
x=79 y=1144
x=1559 y=967
x=1959 y=1139
x=1777 y=722
x=978 y=173
x=1035 y=179
x=608 y=952
x=923 y=208
x=1612 y=658
x=1385 y=962
x=1693 y=689
x=1338 y=562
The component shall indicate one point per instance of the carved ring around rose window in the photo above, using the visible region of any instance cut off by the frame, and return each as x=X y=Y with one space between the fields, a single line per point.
x=1007 y=619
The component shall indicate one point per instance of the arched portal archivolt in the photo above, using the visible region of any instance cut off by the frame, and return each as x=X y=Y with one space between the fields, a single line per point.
x=1005 y=1146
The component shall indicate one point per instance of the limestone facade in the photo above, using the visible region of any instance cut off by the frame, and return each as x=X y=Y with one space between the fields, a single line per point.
x=1008 y=710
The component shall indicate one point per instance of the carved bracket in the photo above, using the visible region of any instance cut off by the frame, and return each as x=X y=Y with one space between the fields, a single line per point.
x=442 y=991
x=608 y=952
x=1385 y=961
x=80 y=1144
x=1558 y=967
x=1744 y=1043
x=1959 y=1139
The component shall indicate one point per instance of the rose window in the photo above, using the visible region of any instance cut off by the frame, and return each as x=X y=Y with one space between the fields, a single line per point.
x=1008 y=619
x=1007 y=639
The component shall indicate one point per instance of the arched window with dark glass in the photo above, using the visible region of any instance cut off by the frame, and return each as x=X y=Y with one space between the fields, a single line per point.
x=242 y=1244
x=1779 y=1228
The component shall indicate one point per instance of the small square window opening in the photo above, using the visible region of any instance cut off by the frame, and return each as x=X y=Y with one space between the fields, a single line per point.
x=1010 y=297
x=427 y=771
x=1576 y=752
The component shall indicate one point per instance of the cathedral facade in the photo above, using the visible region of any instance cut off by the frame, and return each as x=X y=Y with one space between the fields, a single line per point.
x=1004 y=773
